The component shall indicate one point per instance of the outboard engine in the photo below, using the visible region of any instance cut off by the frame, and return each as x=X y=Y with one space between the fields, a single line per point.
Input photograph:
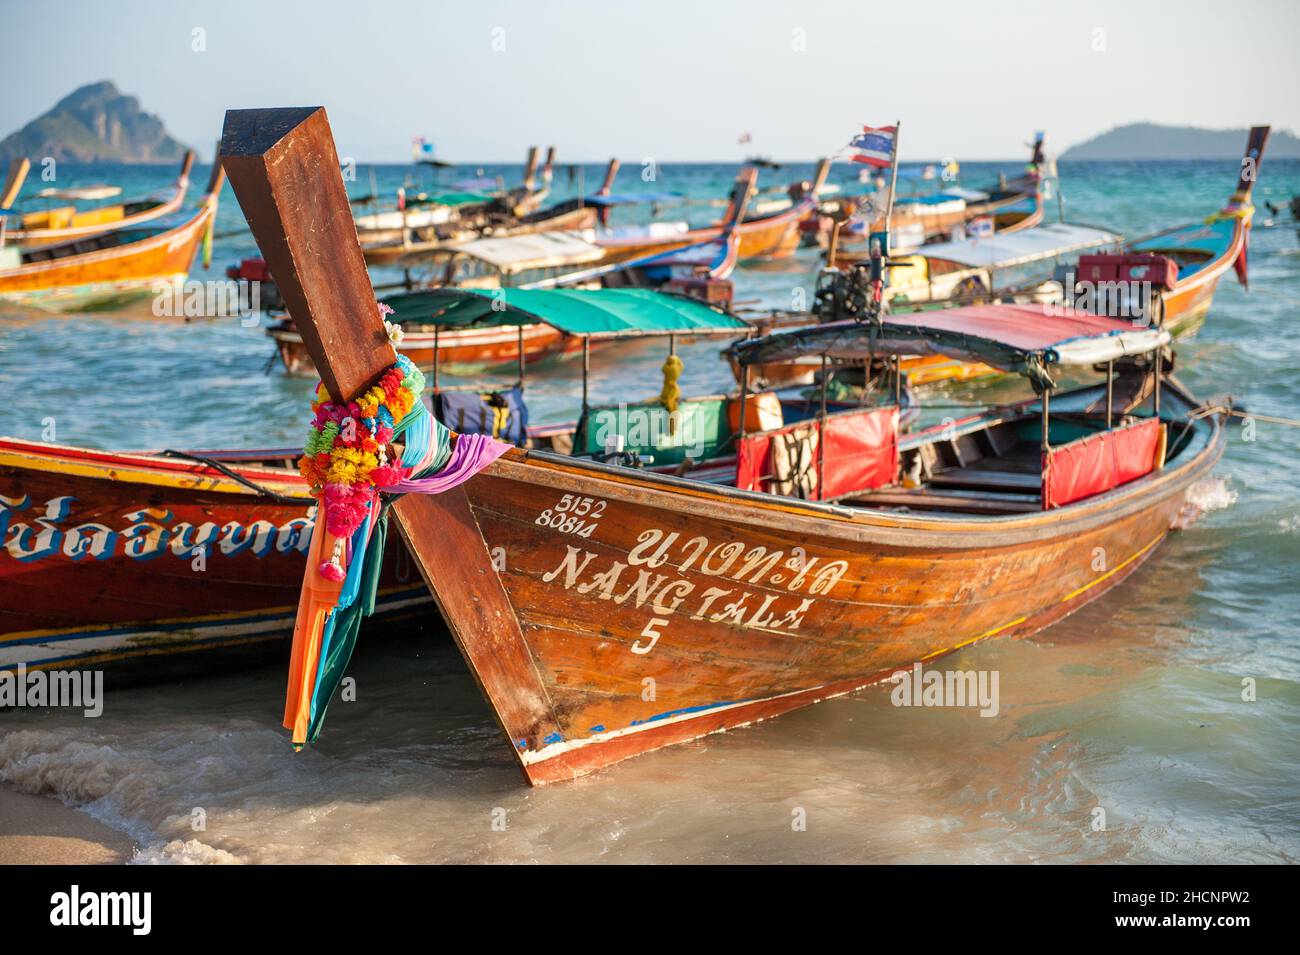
x=842 y=294
x=858 y=293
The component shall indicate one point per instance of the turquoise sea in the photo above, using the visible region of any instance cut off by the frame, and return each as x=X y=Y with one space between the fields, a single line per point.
x=1132 y=706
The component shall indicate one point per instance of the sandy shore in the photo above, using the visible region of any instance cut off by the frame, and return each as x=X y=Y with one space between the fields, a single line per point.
x=40 y=829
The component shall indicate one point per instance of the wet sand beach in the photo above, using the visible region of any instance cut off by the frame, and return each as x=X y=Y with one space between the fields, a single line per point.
x=42 y=830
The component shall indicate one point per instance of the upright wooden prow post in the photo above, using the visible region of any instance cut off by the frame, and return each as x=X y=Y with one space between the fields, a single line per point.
x=216 y=178
x=611 y=171
x=187 y=164
x=285 y=172
x=530 y=168
x=548 y=168
x=819 y=176
x=742 y=192
x=1254 y=154
x=13 y=184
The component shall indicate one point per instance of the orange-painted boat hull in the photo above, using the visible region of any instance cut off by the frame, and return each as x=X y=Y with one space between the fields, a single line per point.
x=99 y=559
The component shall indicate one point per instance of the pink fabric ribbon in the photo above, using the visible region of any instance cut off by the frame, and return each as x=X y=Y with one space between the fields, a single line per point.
x=473 y=452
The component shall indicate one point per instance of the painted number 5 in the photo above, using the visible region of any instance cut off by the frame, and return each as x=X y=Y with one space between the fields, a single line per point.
x=650 y=632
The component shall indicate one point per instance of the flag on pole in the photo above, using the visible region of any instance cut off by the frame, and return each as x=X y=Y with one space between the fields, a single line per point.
x=421 y=148
x=874 y=146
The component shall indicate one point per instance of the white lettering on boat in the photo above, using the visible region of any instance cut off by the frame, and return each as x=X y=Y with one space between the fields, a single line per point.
x=30 y=533
x=567 y=515
x=653 y=575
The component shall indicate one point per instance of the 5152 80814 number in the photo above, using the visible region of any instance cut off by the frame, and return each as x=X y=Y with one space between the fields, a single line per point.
x=568 y=515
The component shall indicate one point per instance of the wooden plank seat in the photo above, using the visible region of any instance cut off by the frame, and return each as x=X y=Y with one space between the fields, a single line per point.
x=993 y=479
x=930 y=498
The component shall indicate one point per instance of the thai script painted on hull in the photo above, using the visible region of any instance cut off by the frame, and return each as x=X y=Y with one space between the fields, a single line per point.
x=30 y=533
x=786 y=578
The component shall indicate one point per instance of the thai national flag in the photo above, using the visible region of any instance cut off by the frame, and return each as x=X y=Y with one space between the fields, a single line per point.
x=875 y=147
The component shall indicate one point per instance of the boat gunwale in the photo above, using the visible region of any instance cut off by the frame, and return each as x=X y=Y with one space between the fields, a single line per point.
x=183 y=232
x=162 y=206
x=146 y=467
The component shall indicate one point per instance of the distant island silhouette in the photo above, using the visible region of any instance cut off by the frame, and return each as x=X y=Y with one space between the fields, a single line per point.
x=1153 y=141
x=94 y=123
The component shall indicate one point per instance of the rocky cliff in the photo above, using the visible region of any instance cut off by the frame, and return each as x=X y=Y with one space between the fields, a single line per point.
x=95 y=123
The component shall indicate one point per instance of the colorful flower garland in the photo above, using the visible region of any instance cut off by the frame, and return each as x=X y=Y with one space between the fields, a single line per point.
x=345 y=459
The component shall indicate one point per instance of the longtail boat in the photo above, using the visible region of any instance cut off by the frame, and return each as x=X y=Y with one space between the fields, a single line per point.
x=1004 y=267
x=423 y=210
x=606 y=612
x=497 y=218
x=137 y=560
x=1168 y=278
x=772 y=235
x=1011 y=206
x=426 y=221
x=1201 y=252
x=992 y=268
x=58 y=224
x=529 y=263
x=109 y=268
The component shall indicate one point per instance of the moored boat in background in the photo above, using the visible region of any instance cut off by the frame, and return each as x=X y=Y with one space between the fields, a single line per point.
x=426 y=221
x=498 y=218
x=1201 y=253
x=535 y=262
x=772 y=235
x=134 y=560
x=108 y=268
x=951 y=213
x=58 y=224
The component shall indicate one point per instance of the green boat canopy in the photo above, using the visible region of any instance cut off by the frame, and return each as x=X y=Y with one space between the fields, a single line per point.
x=597 y=313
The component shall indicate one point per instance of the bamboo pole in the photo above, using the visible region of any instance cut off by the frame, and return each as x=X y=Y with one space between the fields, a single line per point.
x=1047 y=398
x=893 y=185
x=1110 y=393
x=821 y=438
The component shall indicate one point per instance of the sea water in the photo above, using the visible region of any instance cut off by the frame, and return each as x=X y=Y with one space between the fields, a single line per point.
x=1121 y=732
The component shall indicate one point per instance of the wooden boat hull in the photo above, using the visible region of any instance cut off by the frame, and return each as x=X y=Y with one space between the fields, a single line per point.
x=391 y=250
x=1189 y=301
x=770 y=237
x=639 y=612
x=98 y=550
x=464 y=350
x=109 y=276
x=939 y=226
x=49 y=228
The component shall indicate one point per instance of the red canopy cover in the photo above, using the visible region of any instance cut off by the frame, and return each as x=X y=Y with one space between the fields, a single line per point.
x=1101 y=462
x=860 y=453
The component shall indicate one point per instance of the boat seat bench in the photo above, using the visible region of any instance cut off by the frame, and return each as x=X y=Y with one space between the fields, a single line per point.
x=931 y=499
x=993 y=479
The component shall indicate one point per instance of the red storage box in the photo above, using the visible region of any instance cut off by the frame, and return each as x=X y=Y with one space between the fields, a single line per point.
x=1160 y=270
x=1098 y=268
x=250 y=270
x=713 y=291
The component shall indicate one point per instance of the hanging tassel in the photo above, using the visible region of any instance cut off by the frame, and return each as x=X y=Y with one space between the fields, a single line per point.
x=671 y=395
x=332 y=569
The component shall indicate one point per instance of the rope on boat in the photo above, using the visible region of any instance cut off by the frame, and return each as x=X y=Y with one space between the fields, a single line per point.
x=1270 y=419
x=237 y=477
x=1206 y=411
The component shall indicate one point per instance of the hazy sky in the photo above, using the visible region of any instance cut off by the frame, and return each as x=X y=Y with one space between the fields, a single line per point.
x=668 y=79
